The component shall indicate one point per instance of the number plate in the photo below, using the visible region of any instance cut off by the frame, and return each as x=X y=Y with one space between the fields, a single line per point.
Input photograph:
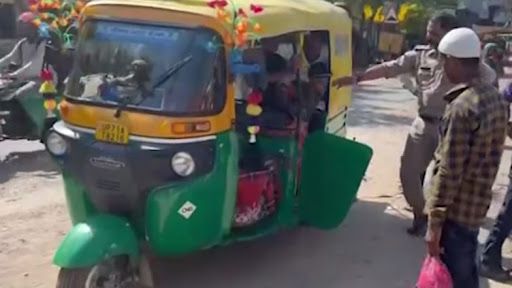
x=111 y=132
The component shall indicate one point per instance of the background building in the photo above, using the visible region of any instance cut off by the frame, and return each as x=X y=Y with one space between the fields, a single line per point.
x=9 y=11
x=484 y=12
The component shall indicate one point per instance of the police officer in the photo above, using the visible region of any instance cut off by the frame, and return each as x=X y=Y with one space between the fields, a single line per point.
x=424 y=63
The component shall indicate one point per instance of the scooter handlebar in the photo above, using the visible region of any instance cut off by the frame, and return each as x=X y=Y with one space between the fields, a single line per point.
x=5 y=83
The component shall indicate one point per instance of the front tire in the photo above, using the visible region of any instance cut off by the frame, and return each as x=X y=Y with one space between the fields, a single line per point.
x=111 y=273
x=73 y=278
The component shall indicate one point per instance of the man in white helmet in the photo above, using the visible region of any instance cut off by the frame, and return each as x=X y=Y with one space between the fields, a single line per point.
x=472 y=135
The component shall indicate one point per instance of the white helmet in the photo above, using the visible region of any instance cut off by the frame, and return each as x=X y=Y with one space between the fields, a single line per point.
x=461 y=43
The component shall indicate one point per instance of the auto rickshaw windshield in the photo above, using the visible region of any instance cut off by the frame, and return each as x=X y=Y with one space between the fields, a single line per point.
x=168 y=69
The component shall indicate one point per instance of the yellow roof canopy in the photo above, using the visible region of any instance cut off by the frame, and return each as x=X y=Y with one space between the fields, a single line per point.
x=278 y=17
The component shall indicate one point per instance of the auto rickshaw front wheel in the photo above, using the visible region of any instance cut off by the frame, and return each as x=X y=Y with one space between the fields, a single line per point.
x=114 y=273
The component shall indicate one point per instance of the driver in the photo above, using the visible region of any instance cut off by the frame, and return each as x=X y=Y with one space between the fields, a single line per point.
x=135 y=83
x=138 y=77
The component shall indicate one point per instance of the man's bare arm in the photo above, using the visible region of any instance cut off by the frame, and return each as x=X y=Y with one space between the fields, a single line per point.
x=373 y=73
x=403 y=64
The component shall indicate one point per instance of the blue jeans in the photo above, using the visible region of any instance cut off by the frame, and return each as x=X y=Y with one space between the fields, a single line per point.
x=491 y=256
x=460 y=246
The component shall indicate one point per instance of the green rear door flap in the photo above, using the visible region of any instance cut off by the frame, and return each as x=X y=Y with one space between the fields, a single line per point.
x=332 y=171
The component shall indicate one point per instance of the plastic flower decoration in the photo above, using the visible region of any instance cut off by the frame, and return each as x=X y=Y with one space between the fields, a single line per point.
x=55 y=20
x=48 y=91
x=243 y=31
x=55 y=17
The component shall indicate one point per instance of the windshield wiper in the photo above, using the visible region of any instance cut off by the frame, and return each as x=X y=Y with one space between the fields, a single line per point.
x=171 y=71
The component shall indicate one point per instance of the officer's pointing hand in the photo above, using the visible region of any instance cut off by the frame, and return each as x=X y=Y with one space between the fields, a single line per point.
x=343 y=81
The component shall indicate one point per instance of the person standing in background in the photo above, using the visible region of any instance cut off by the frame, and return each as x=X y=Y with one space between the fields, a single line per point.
x=431 y=85
x=491 y=57
x=491 y=260
x=466 y=160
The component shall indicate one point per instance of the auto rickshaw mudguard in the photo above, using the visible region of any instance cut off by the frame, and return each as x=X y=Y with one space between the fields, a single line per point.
x=32 y=102
x=98 y=238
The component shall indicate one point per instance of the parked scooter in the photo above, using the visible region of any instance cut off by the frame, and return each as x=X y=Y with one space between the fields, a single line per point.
x=22 y=111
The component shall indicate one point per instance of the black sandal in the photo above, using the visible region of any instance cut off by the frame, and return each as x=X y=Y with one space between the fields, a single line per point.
x=497 y=274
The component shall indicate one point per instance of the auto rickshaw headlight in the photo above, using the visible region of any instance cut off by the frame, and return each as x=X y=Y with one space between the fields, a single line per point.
x=183 y=164
x=56 y=144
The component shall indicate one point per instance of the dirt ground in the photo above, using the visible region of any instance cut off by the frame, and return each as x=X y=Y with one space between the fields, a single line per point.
x=371 y=248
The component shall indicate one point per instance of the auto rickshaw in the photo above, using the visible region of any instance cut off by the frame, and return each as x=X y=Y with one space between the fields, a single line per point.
x=164 y=154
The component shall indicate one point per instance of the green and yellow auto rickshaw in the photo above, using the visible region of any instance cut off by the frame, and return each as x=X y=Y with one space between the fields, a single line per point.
x=169 y=142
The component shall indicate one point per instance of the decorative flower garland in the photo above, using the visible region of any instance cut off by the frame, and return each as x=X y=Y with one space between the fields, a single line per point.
x=48 y=91
x=243 y=34
x=58 y=18
x=54 y=16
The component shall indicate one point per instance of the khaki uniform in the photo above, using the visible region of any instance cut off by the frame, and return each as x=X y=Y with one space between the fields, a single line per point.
x=431 y=87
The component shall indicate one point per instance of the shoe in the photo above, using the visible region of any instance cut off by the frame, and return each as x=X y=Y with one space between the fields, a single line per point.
x=418 y=228
x=495 y=273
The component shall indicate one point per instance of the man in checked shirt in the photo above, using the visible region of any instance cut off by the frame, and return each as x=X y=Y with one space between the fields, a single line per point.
x=472 y=136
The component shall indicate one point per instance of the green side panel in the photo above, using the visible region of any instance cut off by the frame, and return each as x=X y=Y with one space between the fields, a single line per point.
x=33 y=105
x=208 y=204
x=261 y=229
x=333 y=169
x=79 y=205
x=99 y=238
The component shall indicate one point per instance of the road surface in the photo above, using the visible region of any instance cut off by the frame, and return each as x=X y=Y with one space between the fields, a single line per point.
x=371 y=249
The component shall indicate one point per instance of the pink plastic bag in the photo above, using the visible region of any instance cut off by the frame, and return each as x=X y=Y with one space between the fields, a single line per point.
x=434 y=274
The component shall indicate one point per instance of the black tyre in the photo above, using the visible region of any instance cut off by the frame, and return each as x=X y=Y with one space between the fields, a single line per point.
x=111 y=273
x=73 y=278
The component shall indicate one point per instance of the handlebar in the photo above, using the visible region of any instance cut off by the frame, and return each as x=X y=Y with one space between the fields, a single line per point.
x=5 y=83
